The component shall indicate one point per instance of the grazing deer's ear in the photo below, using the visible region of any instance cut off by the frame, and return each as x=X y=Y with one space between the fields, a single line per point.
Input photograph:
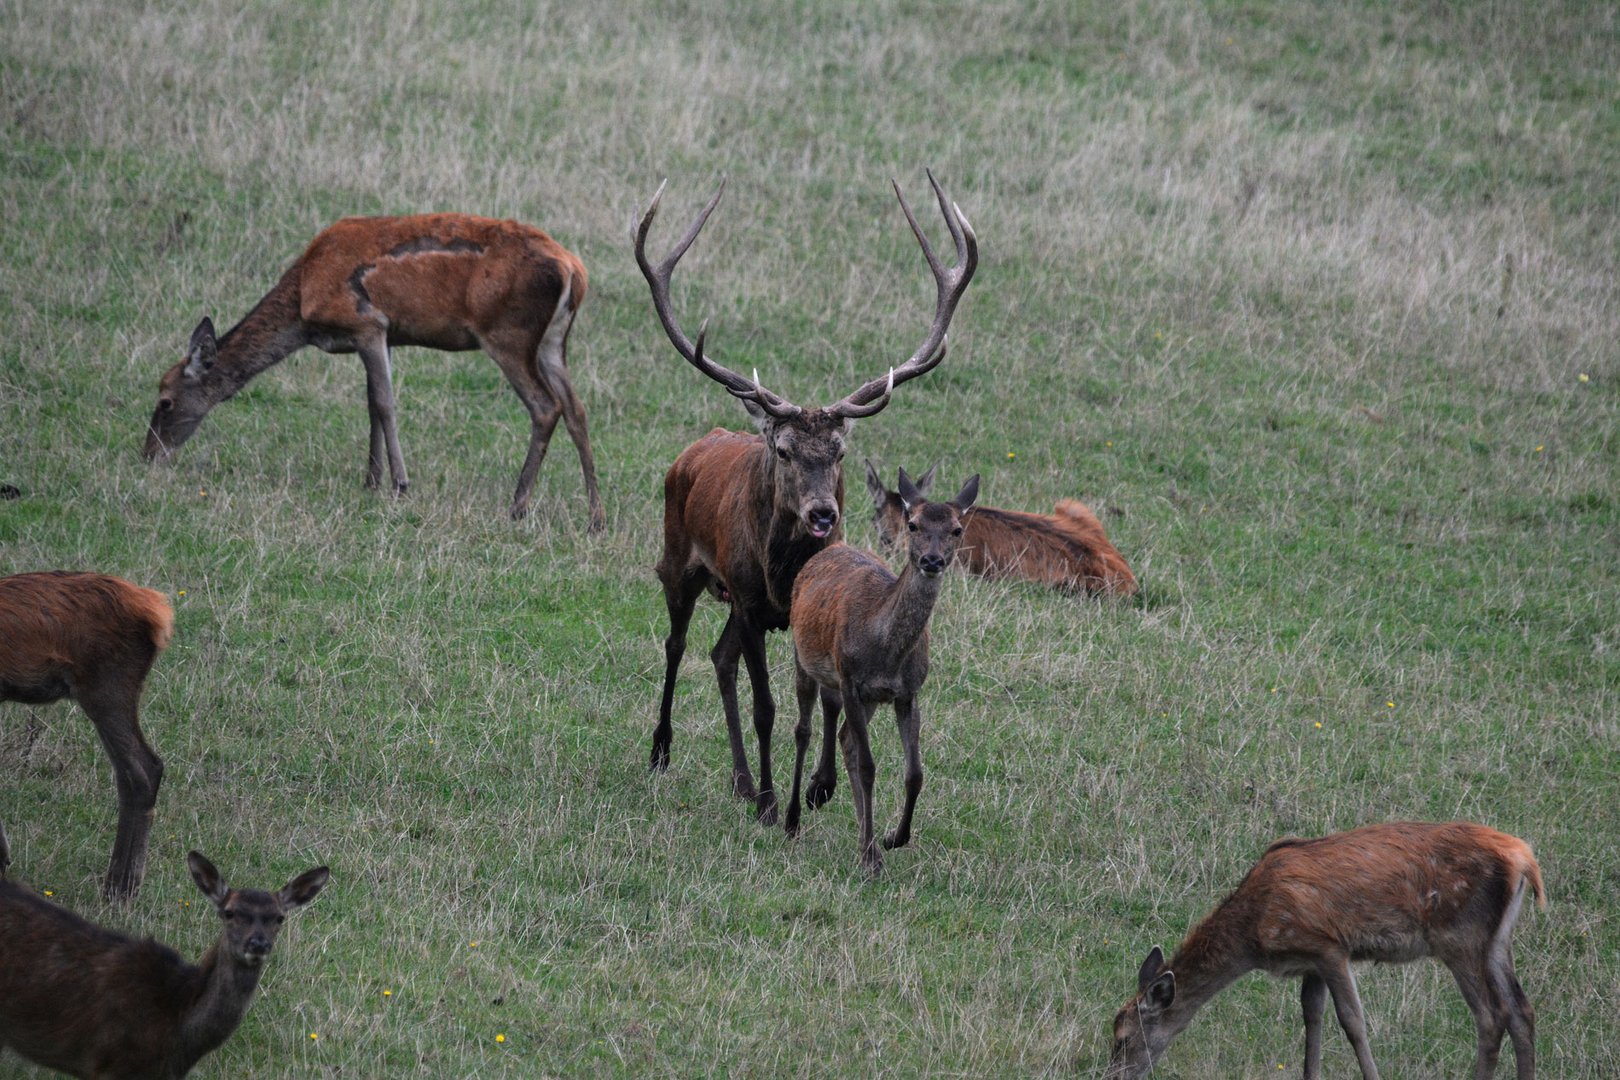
x=968 y=495
x=1150 y=969
x=305 y=887
x=909 y=495
x=203 y=350
x=1161 y=992
x=207 y=878
x=874 y=485
x=925 y=482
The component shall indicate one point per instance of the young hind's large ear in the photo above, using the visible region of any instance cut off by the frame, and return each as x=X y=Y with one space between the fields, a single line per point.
x=909 y=495
x=305 y=887
x=203 y=349
x=207 y=878
x=874 y=486
x=968 y=495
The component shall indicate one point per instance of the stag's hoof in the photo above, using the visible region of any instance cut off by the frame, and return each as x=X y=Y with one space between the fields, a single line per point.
x=767 y=809
x=402 y=487
x=896 y=839
x=791 y=825
x=820 y=791
x=742 y=786
x=872 y=863
x=660 y=756
x=519 y=511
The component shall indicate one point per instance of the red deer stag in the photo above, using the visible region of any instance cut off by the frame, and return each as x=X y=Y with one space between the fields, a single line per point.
x=93 y=1003
x=861 y=634
x=440 y=281
x=742 y=513
x=1067 y=549
x=1390 y=893
x=92 y=638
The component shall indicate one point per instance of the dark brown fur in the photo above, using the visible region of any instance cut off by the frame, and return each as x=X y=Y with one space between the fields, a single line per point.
x=1391 y=893
x=440 y=281
x=1067 y=550
x=92 y=638
x=98 y=1005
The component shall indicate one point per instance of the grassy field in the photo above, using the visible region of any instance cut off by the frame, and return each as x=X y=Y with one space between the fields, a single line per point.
x=1316 y=304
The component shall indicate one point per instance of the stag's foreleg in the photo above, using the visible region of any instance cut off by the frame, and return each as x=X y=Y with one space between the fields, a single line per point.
x=725 y=654
x=909 y=721
x=804 y=690
x=137 y=773
x=380 y=405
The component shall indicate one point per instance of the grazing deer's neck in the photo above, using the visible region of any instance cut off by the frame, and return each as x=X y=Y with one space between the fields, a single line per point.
x=266 y=336
x=227 y=988
x=1210 y=959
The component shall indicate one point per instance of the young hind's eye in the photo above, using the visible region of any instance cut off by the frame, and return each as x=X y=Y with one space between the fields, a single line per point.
x=911 y=526
x=781 y=453
x=957 y=531
x=165 y=404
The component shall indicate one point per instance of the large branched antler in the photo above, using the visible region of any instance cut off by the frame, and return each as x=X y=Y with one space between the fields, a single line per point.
x=950 y=284
x=658 y=280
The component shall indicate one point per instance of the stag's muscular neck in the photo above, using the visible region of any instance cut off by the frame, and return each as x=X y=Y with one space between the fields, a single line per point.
x=266 y=336
x=226 y=987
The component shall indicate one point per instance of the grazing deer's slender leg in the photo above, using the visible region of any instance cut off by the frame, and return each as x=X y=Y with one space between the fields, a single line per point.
x=858 y=763
x=1521 y=1015
x=551 y=370
x=725 y=654
x=759 y=680
x=909 y=721
x=1489 y=1014
x=512 y=354
x=680 y=598
x=824 y=781
x=804 y=689
x=137 y=773
x=1313 y=995
x=1341 y=983
x=380 y=401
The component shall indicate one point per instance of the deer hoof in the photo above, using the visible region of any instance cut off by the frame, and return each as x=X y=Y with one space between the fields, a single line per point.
x=401 y=487
x=820 y=791
x=896 y=839
x=660 y=757
x=520 y=510
x=791 y=825
x=598 y=524
x=872 y=864
x=767 y=810
x=742 y=786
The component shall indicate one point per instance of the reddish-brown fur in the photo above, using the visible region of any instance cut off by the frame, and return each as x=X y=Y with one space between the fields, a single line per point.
x=1391 y=893
x=742 y=513
x=440 y=281
x=1067 y=549
x=96 y=1004
x=92 y=638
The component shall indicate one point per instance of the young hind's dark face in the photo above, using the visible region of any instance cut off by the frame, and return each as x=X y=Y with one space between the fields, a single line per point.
x=934 y=529
x=807 y=455
x=252 y=917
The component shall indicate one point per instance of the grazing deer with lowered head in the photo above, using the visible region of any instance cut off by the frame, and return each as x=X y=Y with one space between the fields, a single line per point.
x=1067 y=549
x=860 y=634
x=1390 y=893
x=440 y=281
x=95 y=1004
x=743 y=513
x=92 y=638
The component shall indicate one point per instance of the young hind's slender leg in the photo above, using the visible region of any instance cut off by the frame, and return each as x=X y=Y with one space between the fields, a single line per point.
x=857 y=749
x=824 y=781
x=804 y=690
x=551 y=365
x=909 y=720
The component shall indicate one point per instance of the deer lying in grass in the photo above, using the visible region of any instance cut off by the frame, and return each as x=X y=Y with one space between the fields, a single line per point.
x=1067 y=549
x=1390 y=893
x=92 y=638
x=95 y=1004
x=440 y=281
x=860 y=634
x=743 y=513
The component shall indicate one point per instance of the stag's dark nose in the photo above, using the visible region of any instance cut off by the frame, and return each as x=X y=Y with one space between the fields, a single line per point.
x=821 y=520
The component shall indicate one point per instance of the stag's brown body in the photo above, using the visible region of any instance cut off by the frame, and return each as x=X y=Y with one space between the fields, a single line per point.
x=1391 y=893
x=1067 y=549
x=95 y=1004
x=452 y=282
x=92 y=638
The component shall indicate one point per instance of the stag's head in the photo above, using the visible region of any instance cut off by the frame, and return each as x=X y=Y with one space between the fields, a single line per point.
x=253 y=918
x=184 y=396
x=1147 y=1023
x=806 y=446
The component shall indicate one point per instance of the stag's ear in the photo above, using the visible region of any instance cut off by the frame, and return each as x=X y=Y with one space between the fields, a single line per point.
x=909 y=495
x=874 y=485
x=1150 y=969
x=925 y=482
x=203 y=350
x=968 y=495
x=304 y=888
x=207 y=878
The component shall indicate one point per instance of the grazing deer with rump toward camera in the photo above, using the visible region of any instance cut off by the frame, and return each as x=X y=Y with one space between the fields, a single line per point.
x=96 y=1004
x=92 y=638
x=860 y=634
x=1067 y=549
x=743 y=513
x=452 y=282
x=1389 y=893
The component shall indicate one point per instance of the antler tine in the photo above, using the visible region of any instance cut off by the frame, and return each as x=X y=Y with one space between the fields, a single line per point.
x=950 y=284
x=658 y=278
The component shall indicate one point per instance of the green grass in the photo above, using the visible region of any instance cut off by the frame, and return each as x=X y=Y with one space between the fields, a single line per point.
x=1315 y=304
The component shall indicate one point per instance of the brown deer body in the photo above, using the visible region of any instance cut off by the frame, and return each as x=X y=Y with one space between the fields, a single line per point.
x=92 y=638
x=452 y=282
x=95 y=1004
x=1390 y=893
x=860 y=635
x=1066 y=549
x=743 y=513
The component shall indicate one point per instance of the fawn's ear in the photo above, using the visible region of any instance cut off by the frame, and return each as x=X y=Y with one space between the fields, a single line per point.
x=1150 y=969
x=207 y=878
x=305 y=887
x=968 y=495
x=874 y=486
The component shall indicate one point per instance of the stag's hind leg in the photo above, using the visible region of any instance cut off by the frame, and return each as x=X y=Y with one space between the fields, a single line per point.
x=137 y=773
x=725 y=654
x=680 y=596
